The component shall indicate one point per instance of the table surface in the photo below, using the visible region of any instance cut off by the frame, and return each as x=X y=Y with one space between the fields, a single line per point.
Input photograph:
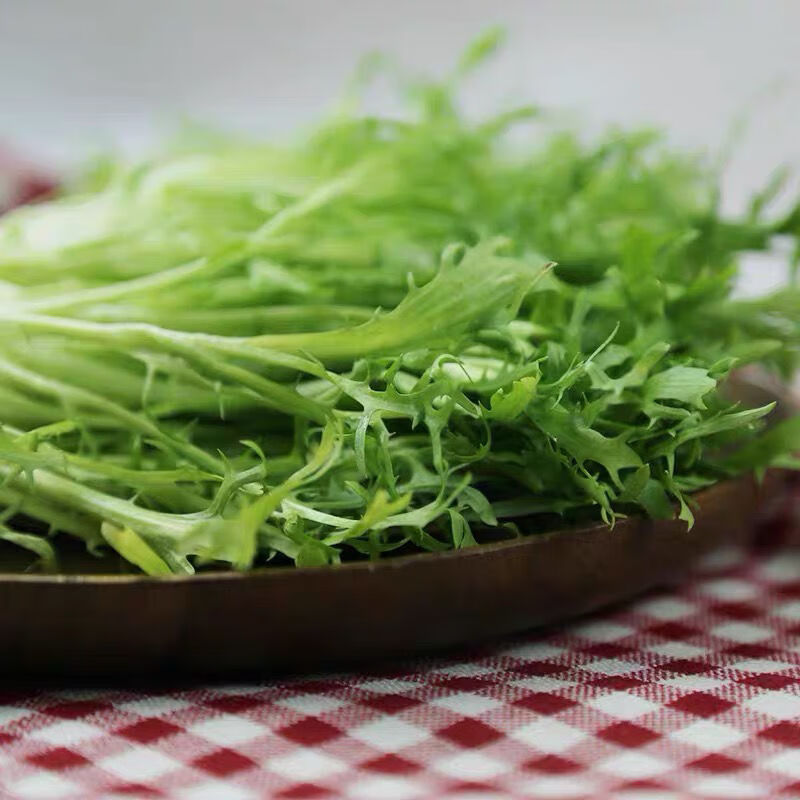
x=691 y=692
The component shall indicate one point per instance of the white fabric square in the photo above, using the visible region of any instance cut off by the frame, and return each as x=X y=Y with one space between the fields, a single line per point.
x=666 y=608
x=722 y=558
x=651 y=794
x=623 y=705
x=780 y=705
x=677 y=650
x=533 y=651
x=67 y=733
x=137 y=763
x=541 y=683
x=228 y=730
x=389 y=733
x=782 y=567
x=731 y=590
x=790 y=610
x=743 y=632
x=154 y=706
x=385 y=788
x=306 y=762
x=216 y=790
x=549 y=735
x=556 y=787
x=786 y=762
x=43 y=785
x=726 y=788
x=470 y=766
x=601 y=631
x=467 y=703
x=762 y=665
x=10 y=714
x=311 y=703
x=707 y=735
x=613 y=666
x=634 y=765
x=464 y=670
x=389 y=686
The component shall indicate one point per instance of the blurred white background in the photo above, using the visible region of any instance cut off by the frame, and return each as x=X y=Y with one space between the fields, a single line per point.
x=81 y=75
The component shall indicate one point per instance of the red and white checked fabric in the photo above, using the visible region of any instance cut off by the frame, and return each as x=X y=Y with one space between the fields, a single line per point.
x=688 y=693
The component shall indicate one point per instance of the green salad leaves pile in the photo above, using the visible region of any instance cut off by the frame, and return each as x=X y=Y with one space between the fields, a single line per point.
x=388 y=335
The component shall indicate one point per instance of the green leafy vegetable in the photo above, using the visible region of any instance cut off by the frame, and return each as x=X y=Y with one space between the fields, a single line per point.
x=389 y=335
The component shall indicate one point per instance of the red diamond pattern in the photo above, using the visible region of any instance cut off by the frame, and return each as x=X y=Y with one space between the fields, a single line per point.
x=642 y=786
x=741 y=611
x=702 y=704
x=538 y=668
x=474 y=789
x=77 y=709
x=785 y=733
x=470 y=733
x=57 y=759
x=717 y=762
x=304 y=791
x=607 y=650
x=234 y=704
x=223 y=762
x=767 y=681
x=391 y=764
x=554 y=765
x=148 y=730
x=544 y=702
x=686 y=666
x=310 y=731
x=626 y=734
x=673 y=630
x=751 y=651
x=135 y=790
x=788 y=590
x=391 y=703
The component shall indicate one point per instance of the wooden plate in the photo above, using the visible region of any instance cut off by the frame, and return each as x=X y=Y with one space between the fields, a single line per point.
x=282 y=619
x=301 y=619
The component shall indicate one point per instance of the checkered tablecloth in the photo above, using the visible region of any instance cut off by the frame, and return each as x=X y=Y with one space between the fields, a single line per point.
x=687 y=693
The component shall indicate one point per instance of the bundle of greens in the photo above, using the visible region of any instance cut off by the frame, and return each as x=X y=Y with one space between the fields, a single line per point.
x=389 y=335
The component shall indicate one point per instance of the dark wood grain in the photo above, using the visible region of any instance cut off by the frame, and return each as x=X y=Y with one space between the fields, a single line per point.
x=299 y=619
